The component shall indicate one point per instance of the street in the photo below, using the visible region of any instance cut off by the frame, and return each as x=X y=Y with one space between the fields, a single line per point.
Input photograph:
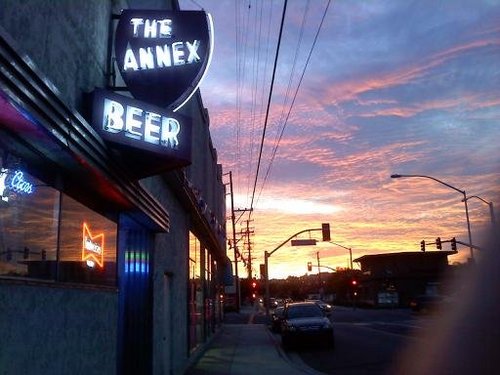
x=367 y=341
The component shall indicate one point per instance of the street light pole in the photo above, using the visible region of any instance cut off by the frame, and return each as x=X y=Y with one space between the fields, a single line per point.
x=490 y=204
x=347 y=248
x=451 y=187
x=266 y=261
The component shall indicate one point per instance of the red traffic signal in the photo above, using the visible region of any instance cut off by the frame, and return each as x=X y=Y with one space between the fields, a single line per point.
x=354 y=282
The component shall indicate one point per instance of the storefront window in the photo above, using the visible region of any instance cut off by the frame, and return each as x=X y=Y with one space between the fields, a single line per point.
x=28 y=225
x=196 y=295
x=87 y=252
x=45 y=234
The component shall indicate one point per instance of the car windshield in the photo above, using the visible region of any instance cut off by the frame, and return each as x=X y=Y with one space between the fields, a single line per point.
x=303 y=311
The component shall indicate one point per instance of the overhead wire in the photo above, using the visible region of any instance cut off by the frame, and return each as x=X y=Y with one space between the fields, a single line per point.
x=268 y=104
x=255 y=70
x=294 y=65
x=294 y=97
x=238 y=81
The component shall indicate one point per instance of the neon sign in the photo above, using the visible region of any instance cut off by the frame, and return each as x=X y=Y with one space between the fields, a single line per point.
x=19 y=184
x=92 y=247
x=139 y=125
x=15 y=182
x=163 y=55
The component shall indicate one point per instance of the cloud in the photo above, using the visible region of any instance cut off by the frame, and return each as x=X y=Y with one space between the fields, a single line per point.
x=392 y=87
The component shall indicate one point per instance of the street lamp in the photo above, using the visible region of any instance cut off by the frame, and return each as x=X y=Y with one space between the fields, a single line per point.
x=347 y=248
x=451 y=187
x=490 y=204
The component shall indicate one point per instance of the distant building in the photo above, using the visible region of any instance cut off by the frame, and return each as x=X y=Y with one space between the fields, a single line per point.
x=393 y=279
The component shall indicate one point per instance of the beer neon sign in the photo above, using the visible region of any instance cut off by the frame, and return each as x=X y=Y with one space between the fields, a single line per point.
x=92 y=247
x=140 y=125
x=15 y=182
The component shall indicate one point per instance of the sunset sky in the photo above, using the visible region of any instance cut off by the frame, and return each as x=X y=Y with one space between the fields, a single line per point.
x=408 y=87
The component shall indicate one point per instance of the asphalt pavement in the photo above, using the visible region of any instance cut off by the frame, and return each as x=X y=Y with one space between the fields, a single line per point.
x=246 y=348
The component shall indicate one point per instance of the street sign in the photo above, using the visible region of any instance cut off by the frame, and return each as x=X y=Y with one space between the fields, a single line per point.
x=304 y=242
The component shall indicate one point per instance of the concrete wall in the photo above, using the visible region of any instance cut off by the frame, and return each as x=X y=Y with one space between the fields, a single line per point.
x=57 y=330
x=67 y=40
x=170 y=278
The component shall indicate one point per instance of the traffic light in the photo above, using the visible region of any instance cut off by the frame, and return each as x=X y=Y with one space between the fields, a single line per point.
x=325 y=231
x=26 y=253
x=254 y=288
x=453 y=242
x=44 y=254
x=262 y=271
x=438 y=243
x=422 y=245
x=309 y=266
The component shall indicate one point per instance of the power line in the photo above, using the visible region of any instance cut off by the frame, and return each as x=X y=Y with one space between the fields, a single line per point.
x=295 y=96
x=269 y=103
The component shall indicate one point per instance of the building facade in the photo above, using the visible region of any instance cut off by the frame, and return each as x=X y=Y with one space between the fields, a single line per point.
x=111 y=259
x=394 y=279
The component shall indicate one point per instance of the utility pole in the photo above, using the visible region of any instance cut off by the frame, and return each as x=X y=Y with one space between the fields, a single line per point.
x=246 y=233
x=319 y=277
x=234 y=242
x=235 y=249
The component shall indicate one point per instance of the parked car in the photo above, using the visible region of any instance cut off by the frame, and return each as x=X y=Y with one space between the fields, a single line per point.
x=305 y=322
x=276 y=318
x=327 y=308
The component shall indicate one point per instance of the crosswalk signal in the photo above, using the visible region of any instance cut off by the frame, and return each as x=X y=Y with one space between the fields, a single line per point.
x=422 y=245
x=453 y=242
x=438 y=243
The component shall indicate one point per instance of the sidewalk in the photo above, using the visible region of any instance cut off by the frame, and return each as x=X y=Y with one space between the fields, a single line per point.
x=241 y=349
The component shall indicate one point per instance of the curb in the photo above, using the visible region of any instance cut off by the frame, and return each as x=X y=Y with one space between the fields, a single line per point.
x=296 y=362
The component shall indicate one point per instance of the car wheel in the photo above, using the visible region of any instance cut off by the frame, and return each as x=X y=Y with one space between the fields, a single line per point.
x=285 y=342
x=330 y=342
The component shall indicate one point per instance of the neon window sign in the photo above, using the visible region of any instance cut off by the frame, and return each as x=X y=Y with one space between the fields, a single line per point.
x=92 y=247
x=14 y=182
